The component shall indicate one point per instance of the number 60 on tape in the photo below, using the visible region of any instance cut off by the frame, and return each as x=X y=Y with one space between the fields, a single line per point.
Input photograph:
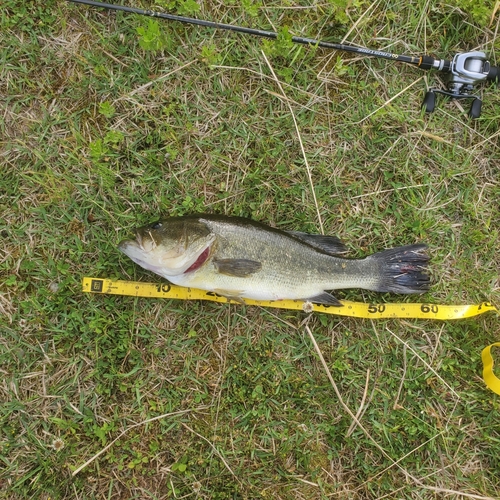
x=351 y=309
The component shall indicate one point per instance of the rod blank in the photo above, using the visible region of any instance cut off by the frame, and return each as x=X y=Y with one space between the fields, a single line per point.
x=257 y=32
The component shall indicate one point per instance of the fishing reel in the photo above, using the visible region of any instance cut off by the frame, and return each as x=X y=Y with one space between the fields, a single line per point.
x=467 y=70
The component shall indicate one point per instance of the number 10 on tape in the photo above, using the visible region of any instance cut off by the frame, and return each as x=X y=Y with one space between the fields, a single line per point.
x=352 y=309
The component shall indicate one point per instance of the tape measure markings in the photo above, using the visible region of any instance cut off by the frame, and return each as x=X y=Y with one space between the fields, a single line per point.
x=351 y=309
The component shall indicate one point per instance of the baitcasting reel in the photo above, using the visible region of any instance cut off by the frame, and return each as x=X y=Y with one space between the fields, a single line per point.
x=467 y=70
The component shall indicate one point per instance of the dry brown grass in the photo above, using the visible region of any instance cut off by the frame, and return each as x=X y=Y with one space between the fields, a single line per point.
x=116 y=397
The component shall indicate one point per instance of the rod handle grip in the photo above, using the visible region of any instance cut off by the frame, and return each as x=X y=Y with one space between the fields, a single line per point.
x=426 y=62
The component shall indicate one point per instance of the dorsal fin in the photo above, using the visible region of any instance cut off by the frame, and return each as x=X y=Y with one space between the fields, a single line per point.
x=328 y=244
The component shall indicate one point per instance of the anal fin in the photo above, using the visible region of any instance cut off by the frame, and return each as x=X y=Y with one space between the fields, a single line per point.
x=325 y=299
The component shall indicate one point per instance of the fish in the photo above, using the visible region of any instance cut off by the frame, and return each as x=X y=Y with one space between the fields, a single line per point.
x=241 y=258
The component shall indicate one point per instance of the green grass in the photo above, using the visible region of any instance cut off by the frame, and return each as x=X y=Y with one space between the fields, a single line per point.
x=99 y=134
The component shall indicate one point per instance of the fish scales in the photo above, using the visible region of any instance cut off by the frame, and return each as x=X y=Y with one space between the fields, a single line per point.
x=286 y=262
x=241 y=258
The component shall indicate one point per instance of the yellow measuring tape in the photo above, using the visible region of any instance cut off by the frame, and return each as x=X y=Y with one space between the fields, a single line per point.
x=492 y=381
x=352 y=309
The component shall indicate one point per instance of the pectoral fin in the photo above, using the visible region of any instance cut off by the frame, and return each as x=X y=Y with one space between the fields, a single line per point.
x=240 y=268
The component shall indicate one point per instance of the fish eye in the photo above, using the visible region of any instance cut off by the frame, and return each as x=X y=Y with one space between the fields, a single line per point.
x=156 y=225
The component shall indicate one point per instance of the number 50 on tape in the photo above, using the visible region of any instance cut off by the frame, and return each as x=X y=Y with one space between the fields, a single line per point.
x=352 y=309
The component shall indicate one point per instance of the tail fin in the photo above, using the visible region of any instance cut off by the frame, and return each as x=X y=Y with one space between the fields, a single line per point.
x=403 y=269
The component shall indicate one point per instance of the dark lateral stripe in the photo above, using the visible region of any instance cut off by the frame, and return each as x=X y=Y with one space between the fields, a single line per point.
x=199 y=261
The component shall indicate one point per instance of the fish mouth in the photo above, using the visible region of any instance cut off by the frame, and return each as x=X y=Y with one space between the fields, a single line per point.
x=137 y=243
x=138 y=239
x=146 y=241
x=124 y=244
x=141 y=243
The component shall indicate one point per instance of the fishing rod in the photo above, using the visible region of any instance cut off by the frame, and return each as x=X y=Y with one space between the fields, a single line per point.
x=466 y=69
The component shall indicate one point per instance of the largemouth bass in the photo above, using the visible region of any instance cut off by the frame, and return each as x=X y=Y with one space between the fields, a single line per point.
x=240 y=258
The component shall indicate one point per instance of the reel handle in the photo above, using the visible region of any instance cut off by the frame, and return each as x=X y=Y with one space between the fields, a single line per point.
x=494 y=74
x=429 y=102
